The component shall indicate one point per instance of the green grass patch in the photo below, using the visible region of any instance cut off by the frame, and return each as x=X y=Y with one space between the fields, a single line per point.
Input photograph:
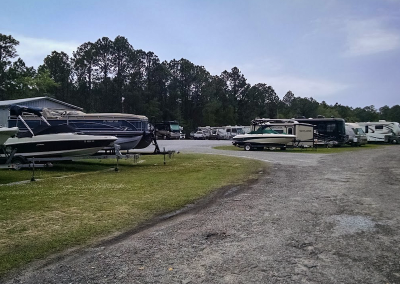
x=76 y=203
x=318 y=150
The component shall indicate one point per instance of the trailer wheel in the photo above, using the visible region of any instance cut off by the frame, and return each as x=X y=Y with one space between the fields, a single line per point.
x=394 y=141
x=19 y=160
x=247 y=147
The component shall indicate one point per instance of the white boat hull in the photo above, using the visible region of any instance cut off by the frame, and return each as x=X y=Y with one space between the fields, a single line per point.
x=264 y=139
x=6 y=133
x=59 y=145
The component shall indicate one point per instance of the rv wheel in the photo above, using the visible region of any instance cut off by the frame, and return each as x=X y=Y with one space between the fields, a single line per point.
x=247 y=147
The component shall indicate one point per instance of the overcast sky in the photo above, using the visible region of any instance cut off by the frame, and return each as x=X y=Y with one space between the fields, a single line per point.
x=344 y=51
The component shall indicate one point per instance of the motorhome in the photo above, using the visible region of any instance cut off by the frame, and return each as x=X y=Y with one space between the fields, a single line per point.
x=356 y=135
x=232 y=131
x=328 y=131
x=381 y=131
x=218 y=133
x=168 y=130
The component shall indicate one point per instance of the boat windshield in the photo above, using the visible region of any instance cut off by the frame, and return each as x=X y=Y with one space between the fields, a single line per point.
x=264 y=130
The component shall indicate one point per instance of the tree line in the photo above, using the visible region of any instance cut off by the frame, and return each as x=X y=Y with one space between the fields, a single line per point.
x=111 y=76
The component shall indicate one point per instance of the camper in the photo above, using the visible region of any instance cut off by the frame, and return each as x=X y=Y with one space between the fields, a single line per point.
x=381 y=131
x=328 y=131
x=218 y=133
x=168 y=130
x=356 y=135
x=304 y=132
x=232 y=131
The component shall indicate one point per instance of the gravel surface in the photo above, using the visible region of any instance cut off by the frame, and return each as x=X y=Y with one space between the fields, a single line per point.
x=312 y=218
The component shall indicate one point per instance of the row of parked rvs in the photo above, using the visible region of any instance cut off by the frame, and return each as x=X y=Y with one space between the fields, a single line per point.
x=219 y=133
x=333 y=131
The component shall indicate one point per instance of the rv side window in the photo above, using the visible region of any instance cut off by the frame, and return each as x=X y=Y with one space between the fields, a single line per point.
x=378 y=126
x=330 y=127
x=321 y=128
x=290 y=131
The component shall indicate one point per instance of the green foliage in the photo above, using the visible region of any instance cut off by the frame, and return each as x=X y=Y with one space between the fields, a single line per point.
x=111 y=76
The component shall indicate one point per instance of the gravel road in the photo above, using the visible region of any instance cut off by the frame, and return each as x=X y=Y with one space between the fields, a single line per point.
x=312 y=218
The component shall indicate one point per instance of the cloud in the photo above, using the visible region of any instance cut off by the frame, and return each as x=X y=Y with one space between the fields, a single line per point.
x=34 y=50
x=303 y=87
x=369 y=37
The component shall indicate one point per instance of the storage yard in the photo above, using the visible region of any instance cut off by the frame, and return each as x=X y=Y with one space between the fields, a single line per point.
x=311 y=218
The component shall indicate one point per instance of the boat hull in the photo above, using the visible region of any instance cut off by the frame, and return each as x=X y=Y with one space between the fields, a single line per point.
x=6 y=133
x=263 y=139
x=129 y=133
x=59 y=145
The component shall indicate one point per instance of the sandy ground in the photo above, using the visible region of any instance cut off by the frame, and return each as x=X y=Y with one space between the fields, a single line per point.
x=312 y=218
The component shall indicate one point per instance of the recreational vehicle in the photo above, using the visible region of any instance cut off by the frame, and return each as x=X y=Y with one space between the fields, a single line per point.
x=381 y=131
x=356 y=135
x=168 y=130
x=328 y=131
x=232 y=131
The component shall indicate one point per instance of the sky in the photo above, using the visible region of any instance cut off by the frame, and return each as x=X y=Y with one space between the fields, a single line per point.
x=337 y=51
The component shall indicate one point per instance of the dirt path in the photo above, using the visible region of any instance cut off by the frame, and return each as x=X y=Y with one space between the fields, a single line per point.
x=335 y=220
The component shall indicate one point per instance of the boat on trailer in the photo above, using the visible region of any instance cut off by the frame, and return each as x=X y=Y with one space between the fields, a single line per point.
x=263 y=137
x=52 y=141
x=132 y=131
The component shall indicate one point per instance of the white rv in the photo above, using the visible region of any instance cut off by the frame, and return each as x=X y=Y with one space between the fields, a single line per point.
x=233 y=130
x=356 y=135
x=381 y=131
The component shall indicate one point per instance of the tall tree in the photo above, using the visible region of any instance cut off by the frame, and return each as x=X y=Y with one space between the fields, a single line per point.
x=60 y=70
x=124 y=64
x=83 y=65
x=236 y=87
x=7 y=52
x=272 y=102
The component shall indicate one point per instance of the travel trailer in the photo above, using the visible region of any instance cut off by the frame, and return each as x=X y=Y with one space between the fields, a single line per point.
x=356 y=135
x=381 y=131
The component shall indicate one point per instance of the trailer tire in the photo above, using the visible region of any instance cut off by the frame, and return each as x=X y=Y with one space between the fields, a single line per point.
x=394 y=141
x=19 y=160
x=247 y=147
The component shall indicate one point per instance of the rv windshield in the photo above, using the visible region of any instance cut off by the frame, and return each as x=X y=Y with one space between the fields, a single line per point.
x=358 y=131
x=174 y=127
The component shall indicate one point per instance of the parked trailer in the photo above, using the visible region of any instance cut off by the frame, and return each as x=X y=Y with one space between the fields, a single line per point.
x=382 y=131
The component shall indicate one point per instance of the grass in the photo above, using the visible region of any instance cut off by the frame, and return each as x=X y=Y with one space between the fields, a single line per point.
x=74 y=204
x=319 y=150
